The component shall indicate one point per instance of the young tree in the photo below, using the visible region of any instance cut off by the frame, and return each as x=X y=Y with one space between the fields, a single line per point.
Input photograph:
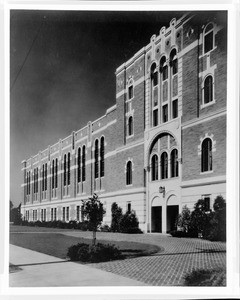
x=184 y=218
x=116 y=217
x=93 y=211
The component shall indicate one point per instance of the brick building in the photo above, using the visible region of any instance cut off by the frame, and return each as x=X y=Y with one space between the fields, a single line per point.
x=160 y=147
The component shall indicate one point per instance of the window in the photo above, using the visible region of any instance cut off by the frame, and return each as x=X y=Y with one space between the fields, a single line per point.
x=130 y=126
x=164 y=165
x=206 y=155
x=155 y=117
x=37 y=180
x=102 y=157
x=154 y=75
x=65 y=170
x=53 y=177
x=175 y=109
x=174 y=163
x=164 y=68
x=51 y=214
x=129 y=173
x=55 y=214
x=154 y=167
x=67 y=217
x=56 y=173
x=63 y=216
x=206 y=202
x=208 y=38
x=174 y=62
x=79 y=165
x=165 y=113
x=96 y=159
x=45 y=176
x=78 y=213
x=83 y=163
x=130 y=92
x=129 y=208
x=208 y=89
x=69 y=168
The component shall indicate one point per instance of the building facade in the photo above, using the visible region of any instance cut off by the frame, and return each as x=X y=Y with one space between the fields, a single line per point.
x=160 y=147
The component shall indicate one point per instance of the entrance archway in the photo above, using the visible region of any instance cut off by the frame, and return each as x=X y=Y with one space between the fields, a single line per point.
x=172 y=213
x=156 y=215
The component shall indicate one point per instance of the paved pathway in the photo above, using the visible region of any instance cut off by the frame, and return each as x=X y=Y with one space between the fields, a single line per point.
x=41 y=270
x=180 y=256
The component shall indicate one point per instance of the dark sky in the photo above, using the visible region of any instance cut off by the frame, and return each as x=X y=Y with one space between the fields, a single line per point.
x=62 y=66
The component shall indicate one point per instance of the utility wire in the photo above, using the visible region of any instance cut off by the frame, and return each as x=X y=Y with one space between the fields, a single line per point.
x=27 y=54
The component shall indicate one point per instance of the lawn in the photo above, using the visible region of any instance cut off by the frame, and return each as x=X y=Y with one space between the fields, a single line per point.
x=52 y=242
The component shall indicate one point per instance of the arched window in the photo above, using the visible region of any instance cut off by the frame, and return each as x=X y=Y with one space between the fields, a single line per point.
x=102 y=157
x=208 y=89
x=56 y=173
x=164 y=165
x=130 y=126
x=83 y=163
x=65 y=171
x=129 y=173
x=154 y=75
x=206 y=155
x=174 y=62
x=96 y=159
x=69 y=168
x=53 y=177
x=79 y=165
x=174 y=163
x=154 y=164
x=164 y=68
x=208 y=38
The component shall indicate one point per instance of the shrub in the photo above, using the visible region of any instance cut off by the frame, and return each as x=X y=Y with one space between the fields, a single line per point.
x=105 y=228
x=116 y=217
x=82 y=226
x=184 y=219
x=203 y=277
x=93 y=253
x=129 y=223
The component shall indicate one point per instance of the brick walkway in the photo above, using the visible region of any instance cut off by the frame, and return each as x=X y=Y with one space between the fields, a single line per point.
x=168 y=267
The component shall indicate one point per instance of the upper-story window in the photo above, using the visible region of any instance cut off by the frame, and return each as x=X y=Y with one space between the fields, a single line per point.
x=154 y=165
x=96 y=158
x=174 y=61
x=130 y=91
x=45 y=176
x=129 y=173
x=130 y=95
x=206 y=153
x=56 y=173
x=164 y=165
x=83 y=163
x=164 y=68
x=102 y=167
x=165 y=113
x=175 y=108
x=130 y=126
x=174 y=163
x=53 y=174
x=208 y=89
x=154 y=75
x=65 y=170
x=208 y=37
x=69 y=168
x=79 y=165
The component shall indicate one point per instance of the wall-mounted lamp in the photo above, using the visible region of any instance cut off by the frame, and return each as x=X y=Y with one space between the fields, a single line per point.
x=162 y=190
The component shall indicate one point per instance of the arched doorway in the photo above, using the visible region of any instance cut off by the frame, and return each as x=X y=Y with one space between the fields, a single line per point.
x=156 y=215
x=172 y=213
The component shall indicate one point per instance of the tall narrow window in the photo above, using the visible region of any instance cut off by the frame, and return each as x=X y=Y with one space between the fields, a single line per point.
x=65 y=170
x=175 y=109
x=208 y=38
x=63 y=216
x=56 y=173
x=154 y=75
x=96 y=159
x=206 y=155
x=130 y=92
x=174 y=163
x=37 y=180
x=53 y=170
x=83 y=163
x=174 y=62
x=155 y=117
x=45 y=176
x=130 y=125
x=78 y=213
x=34 y=181
x=164 y=68
x=208 y=89
x=165 y=113
x=164 y=165
x=154 y=167
x=79 y=165
x=129 y=173
x=67 y=218
x=102 y=157
x=69 y=168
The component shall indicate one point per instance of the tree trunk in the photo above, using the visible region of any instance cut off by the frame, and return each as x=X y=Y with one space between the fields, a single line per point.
x=94 y=238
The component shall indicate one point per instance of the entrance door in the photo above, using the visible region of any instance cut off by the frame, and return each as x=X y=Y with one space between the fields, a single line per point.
x=172 y=213
x=157 y=219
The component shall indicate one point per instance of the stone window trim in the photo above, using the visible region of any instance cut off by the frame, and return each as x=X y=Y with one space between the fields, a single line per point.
x=130 y=89
x=130 y=182
x=206 y=32
x=210 y=136
x=213 y=149
x=203 y=104
x=130 y=134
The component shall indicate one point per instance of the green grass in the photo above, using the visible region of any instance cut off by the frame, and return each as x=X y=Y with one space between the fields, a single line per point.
x=57 y=244
x=202 y=277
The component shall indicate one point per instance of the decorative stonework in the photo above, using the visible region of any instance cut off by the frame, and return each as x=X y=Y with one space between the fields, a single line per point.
x=202 y=139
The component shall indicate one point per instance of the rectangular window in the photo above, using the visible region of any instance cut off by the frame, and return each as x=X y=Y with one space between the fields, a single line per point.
x=51 y=214
x=206 y=202
x=175 y=109
x=55 y=214
x=129 y=207
x=155 y=117
x=165 y=113
x=155 y=97
x=63 y=215
x=67 y=217
x=130 y=92
x=208 y=42
x=155 y=78
x=78 y=210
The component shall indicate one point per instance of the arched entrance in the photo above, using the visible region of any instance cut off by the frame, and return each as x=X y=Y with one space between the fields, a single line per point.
x=156 y=215
x=172 y=212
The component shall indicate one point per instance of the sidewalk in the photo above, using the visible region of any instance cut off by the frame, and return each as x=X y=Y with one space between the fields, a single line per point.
x=41 y=270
